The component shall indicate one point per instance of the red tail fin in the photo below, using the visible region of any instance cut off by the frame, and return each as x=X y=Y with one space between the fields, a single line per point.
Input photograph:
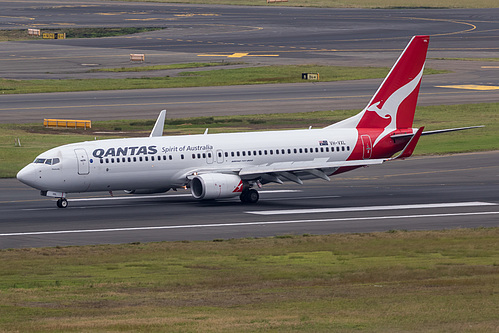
x=393 y=105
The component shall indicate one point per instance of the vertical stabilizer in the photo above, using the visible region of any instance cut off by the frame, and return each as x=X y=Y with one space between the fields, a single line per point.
x=394 y=103
x=159 y=126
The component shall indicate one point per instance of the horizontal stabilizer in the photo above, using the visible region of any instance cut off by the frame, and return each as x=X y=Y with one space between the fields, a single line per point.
x=405 y=135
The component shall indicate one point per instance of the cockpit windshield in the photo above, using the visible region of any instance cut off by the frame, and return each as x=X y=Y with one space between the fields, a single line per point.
x=48 y=161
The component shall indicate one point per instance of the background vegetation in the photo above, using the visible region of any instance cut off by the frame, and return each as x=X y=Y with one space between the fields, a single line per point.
x=431 y=281
x=220 y=77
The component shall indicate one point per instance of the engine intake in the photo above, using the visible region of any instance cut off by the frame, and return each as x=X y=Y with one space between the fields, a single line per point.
x=216 y=185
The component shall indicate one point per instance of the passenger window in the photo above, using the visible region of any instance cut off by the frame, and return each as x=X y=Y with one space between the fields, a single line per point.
x=249 y=152
x=244 y=153
x=164 y=157
x=226 y=154
x=204 y=155
x=140 y=158
x=295 y=151
x=209 y=155
x=129 y=159
x=193 y=156
x=348 y=148
x=118 y=160
x=152 y=158
x=277 y=151
x=146 y=158
x=301 y=150
x=182 y=156
x=316 y=150
x=260 y=152
x=254 y=152
x=283 y=152
x=271 y=152
x=237 y=153
x=322 y=149
x=135 y=159
x=219 y=154
x=232 y=153
x=101 y=161
x=171 y=157
x=265 y=152
x=112 y=160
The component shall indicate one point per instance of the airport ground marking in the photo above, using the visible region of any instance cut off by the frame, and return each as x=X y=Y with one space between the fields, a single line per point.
x=471 y=87
x=243 y=224
x=369 y=208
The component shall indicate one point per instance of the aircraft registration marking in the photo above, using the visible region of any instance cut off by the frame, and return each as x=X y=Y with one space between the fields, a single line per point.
x=471 y=87
x=370 y=208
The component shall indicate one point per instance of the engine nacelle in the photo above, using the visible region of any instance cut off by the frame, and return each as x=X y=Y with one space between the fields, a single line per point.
x=147 y=191
x=216 y=185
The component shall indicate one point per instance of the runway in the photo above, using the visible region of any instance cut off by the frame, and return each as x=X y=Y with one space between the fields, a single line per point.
x=422 y=193
x=418 y=194
x=256 y=35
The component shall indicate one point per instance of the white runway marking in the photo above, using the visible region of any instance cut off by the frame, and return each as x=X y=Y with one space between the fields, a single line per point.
x=142 y=197
x=369 y=208
x=245 y=224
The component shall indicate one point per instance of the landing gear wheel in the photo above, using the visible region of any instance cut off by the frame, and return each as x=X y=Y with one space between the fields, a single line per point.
x=250 y=196
x=62 y=203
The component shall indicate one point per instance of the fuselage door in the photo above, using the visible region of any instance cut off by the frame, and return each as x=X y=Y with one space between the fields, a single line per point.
x=220 y=156
x=82 y=157
x=367 y=148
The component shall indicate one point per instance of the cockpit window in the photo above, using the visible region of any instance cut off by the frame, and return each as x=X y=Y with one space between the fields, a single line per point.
x=48 y=161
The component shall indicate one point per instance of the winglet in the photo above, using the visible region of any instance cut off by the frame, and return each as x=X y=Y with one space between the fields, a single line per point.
x=411 y=145
x=160 y=125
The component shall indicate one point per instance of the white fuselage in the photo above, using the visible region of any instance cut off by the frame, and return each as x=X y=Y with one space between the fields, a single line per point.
x=163 y=162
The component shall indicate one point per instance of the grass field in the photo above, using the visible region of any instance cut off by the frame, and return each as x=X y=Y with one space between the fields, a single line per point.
x=348 y=3
x=396 y=281
x=35 y=138
x=219 y=77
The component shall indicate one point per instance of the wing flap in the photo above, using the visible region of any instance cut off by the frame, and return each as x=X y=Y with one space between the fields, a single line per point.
x=305 y=166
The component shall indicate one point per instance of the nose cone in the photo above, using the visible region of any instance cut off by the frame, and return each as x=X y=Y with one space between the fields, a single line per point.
x=27 y=175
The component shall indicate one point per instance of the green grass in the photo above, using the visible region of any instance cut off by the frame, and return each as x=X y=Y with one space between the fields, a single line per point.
x=35 y=139
x=16 y=35
x=162 y=67
x=432 y=281
x=240 y=76
x=395 y=4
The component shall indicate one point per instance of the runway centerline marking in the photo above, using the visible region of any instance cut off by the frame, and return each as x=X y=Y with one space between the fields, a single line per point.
x=243 y=224
x=369 y=208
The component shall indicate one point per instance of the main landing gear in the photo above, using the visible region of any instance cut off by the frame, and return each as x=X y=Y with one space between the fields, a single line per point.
x=249 y=196
x=62 y=203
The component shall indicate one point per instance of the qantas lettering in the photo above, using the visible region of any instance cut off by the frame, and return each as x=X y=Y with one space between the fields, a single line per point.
x=124 y=151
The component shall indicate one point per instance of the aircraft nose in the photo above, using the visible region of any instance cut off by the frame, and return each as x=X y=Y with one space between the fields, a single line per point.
x=27 y=175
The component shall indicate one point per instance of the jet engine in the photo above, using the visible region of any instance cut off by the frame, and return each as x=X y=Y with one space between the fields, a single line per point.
x=147 y=191
x=216 y=185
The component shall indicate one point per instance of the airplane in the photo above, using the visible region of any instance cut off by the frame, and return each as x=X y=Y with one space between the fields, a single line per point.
x=227 y=165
